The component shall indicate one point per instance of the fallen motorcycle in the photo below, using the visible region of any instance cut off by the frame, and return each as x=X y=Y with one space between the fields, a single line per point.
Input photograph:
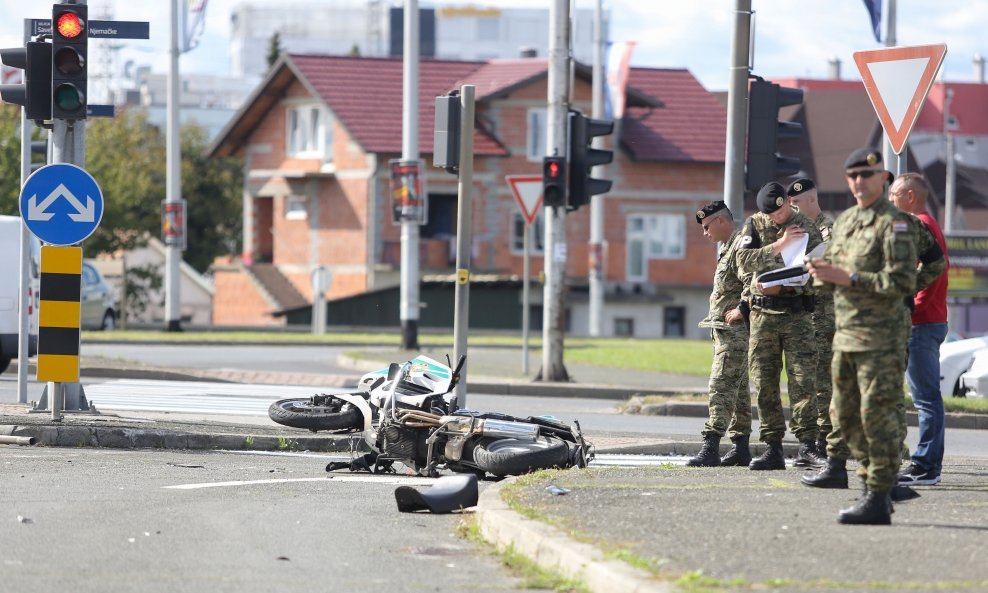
x=407 y=414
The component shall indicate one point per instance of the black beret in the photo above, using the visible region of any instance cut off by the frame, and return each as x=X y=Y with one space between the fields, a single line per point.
x=709 y=210
x=863 y=157
x=771 y=197
x=799 y=186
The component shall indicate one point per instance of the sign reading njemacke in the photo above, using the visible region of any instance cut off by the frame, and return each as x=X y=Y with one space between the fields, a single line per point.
x=61 y=204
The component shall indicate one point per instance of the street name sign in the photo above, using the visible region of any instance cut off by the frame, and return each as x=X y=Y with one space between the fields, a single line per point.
x=897 y=80
x=527 y=190
x=61 y=204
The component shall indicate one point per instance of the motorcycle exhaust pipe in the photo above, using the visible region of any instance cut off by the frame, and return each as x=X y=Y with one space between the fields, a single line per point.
x=522 y=431
x=5 y=440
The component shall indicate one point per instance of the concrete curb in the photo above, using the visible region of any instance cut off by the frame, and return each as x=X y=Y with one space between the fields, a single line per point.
x=552 y=549
x=116 y=437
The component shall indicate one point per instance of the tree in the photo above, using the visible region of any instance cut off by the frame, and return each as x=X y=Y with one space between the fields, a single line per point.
x=10 y=159
x=274 y=48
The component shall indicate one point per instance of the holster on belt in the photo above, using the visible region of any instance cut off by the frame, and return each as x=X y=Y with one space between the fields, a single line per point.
x=745 y=309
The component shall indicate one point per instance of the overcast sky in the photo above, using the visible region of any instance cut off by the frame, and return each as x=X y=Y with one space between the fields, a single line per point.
x=792 y=37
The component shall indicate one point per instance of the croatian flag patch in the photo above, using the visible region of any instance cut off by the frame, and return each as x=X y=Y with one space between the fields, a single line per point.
x=900 y=227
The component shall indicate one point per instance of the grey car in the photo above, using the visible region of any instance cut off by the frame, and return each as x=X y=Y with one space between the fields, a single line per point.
x=99 y=304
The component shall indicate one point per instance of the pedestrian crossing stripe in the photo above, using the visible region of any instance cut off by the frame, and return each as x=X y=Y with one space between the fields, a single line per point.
x=59 y=314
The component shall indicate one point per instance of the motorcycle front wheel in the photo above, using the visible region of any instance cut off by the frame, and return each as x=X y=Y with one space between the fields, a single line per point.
x=512 y=457
x=304 y=413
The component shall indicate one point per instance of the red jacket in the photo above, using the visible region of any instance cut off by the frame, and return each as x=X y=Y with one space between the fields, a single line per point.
x=931 y=302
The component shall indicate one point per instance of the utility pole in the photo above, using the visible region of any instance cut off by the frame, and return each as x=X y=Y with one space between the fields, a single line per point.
x=597 y=269
x=737 y=99
x=173 y=180
x=554 y=310
x=889 y=157
x=464 y=239
x=950 y=189
x=409 y=290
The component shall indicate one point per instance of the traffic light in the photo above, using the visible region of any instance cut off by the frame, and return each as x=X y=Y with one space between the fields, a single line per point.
x=764 y=131
x=39 y=147
x=554 y=181
x=70 y=37
x=34 y=94
x=582 y=159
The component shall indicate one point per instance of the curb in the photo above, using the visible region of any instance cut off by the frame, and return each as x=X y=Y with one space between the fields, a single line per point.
x=550 y=548
x=112 y=437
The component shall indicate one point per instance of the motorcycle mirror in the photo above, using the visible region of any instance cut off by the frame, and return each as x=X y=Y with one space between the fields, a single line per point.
x=459 y=364
x=393 y=371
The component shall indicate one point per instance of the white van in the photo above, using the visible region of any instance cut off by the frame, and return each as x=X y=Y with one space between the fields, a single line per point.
x=10 y=270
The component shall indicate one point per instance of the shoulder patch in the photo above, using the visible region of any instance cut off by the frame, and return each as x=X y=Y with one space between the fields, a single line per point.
x=900 y=226
x=749 y=236
x=825 y=232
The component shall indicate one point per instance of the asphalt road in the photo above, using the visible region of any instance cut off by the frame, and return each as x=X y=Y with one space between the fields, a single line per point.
x=102 y=520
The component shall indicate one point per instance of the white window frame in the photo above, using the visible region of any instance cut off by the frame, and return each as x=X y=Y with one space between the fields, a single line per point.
x=309 y=132
x=535 y=134
x=296 y=207
x=660 y=235
x=536 y=235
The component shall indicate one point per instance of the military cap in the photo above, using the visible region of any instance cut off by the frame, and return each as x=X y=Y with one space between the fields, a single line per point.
x=799 y=186
x=709 y=210
x=771 y=197
x=863 y=157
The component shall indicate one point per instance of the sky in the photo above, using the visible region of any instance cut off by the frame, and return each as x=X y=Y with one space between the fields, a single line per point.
x=792 y=38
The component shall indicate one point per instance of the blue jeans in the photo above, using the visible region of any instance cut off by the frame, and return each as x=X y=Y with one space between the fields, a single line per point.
x=923 y=376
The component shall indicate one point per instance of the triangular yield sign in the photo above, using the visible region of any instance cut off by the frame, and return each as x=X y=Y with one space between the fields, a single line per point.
x=897 y=80
x=527 y=190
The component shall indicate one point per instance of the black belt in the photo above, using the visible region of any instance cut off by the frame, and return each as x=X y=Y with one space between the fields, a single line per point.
x=796 y=304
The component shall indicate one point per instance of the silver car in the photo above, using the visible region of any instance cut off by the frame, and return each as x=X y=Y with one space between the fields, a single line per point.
x=99 y=304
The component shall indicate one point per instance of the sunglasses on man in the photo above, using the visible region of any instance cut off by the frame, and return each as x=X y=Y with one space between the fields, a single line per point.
x=866 y=174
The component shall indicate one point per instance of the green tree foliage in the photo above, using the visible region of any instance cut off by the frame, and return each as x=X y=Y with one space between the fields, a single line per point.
x=274 y=48
x=10 y=158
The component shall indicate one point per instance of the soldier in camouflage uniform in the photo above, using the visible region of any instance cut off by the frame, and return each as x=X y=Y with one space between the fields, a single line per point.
x=871 y=266
x=803 y=198
x=781 y=323
x=730 y=399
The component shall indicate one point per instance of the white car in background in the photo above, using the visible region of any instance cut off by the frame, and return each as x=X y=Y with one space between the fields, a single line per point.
x=974 y=383
x=955 y=359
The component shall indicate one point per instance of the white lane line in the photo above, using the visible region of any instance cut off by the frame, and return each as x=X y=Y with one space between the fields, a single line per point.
x=397 y=480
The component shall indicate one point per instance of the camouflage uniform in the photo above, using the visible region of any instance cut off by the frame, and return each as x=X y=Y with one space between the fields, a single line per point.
x=824 y=328
x=878 y=243
x=776 y=329
x=729 y=394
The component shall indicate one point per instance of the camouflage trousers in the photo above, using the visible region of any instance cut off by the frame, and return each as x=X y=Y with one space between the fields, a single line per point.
x=730 y=398
x=824 y=326
x=772 y=335
x=867 y=388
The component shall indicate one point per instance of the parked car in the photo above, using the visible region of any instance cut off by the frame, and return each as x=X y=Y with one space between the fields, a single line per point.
x=974 y=383
x=99 y=304
x=955 y=359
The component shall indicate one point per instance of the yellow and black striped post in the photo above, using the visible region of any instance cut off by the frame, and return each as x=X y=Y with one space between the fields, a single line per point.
x=59 y=314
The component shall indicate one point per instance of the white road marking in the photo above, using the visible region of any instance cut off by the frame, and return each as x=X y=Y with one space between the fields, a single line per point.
x=388 y=480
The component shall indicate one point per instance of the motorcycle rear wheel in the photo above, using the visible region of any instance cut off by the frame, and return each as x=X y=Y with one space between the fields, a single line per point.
x=302 y=413
x=512 y=457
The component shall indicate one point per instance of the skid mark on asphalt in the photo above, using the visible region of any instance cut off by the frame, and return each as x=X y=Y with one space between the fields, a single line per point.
x=387 y=480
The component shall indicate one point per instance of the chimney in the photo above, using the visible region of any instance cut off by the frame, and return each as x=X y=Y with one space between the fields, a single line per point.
x=979 y=69
x=528 y=52
x=834 y=68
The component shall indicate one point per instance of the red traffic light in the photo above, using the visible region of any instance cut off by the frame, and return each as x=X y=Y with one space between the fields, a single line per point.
x=553 y=169
x=69 y=24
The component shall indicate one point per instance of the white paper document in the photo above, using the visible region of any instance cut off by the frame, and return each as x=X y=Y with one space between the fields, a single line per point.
x=794 y=256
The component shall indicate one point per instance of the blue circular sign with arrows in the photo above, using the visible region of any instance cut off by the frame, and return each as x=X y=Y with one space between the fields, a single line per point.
x=61 y=204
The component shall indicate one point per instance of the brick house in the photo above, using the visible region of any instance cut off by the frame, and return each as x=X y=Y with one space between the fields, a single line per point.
x=317 y=135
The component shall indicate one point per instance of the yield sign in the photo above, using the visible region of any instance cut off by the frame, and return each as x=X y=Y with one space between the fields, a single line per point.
x=528 y=193
x=897 y=80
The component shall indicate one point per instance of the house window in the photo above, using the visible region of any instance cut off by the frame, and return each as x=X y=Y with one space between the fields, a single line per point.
x=310 y=133
x=674 y=322
x=624 y=327
x=296 y=208
x=535 y=238
x=653 y=236
x=536 y=144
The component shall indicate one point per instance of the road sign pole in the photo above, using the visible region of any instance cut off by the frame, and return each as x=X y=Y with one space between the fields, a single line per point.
x=409 y=300
x=464 y=239
x=173 y=181
x=24 y=325
x=525 y=300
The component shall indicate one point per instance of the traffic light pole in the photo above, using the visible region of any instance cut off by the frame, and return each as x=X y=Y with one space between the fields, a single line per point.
x=409 y=289
x=737 y=97
x=597 y=202
x=464 y=239
x=173 y=181
x=25 y=302
x=553 y=312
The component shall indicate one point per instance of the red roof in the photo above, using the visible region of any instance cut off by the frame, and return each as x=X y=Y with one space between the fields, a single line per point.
x=690 y=126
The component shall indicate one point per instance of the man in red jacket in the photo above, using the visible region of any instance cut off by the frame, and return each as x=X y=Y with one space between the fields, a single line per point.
x=909 y=193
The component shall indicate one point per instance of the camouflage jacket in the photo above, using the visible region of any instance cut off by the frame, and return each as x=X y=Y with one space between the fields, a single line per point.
x=728 y=284
x=879 y=244
x=825 y=300
x=755 y=250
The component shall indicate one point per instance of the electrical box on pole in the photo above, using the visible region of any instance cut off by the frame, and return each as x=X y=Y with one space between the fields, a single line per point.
x=69 y=71
x=764 y=131
x=34 y=94
x=554 y=181
x=446 y=135
x=582 y=159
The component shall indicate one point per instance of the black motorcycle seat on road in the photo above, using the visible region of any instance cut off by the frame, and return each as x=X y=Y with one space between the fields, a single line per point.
x=450 y=493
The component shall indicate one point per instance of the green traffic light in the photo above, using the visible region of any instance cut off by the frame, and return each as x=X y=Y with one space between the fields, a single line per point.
x=68 y=97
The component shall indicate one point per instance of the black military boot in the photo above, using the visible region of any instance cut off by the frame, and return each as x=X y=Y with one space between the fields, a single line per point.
x=874 y=508
x=806 y=456
x=709 y=455
x=821 y=448
x=739 y=455
x=772 y=458
x=833 y=475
